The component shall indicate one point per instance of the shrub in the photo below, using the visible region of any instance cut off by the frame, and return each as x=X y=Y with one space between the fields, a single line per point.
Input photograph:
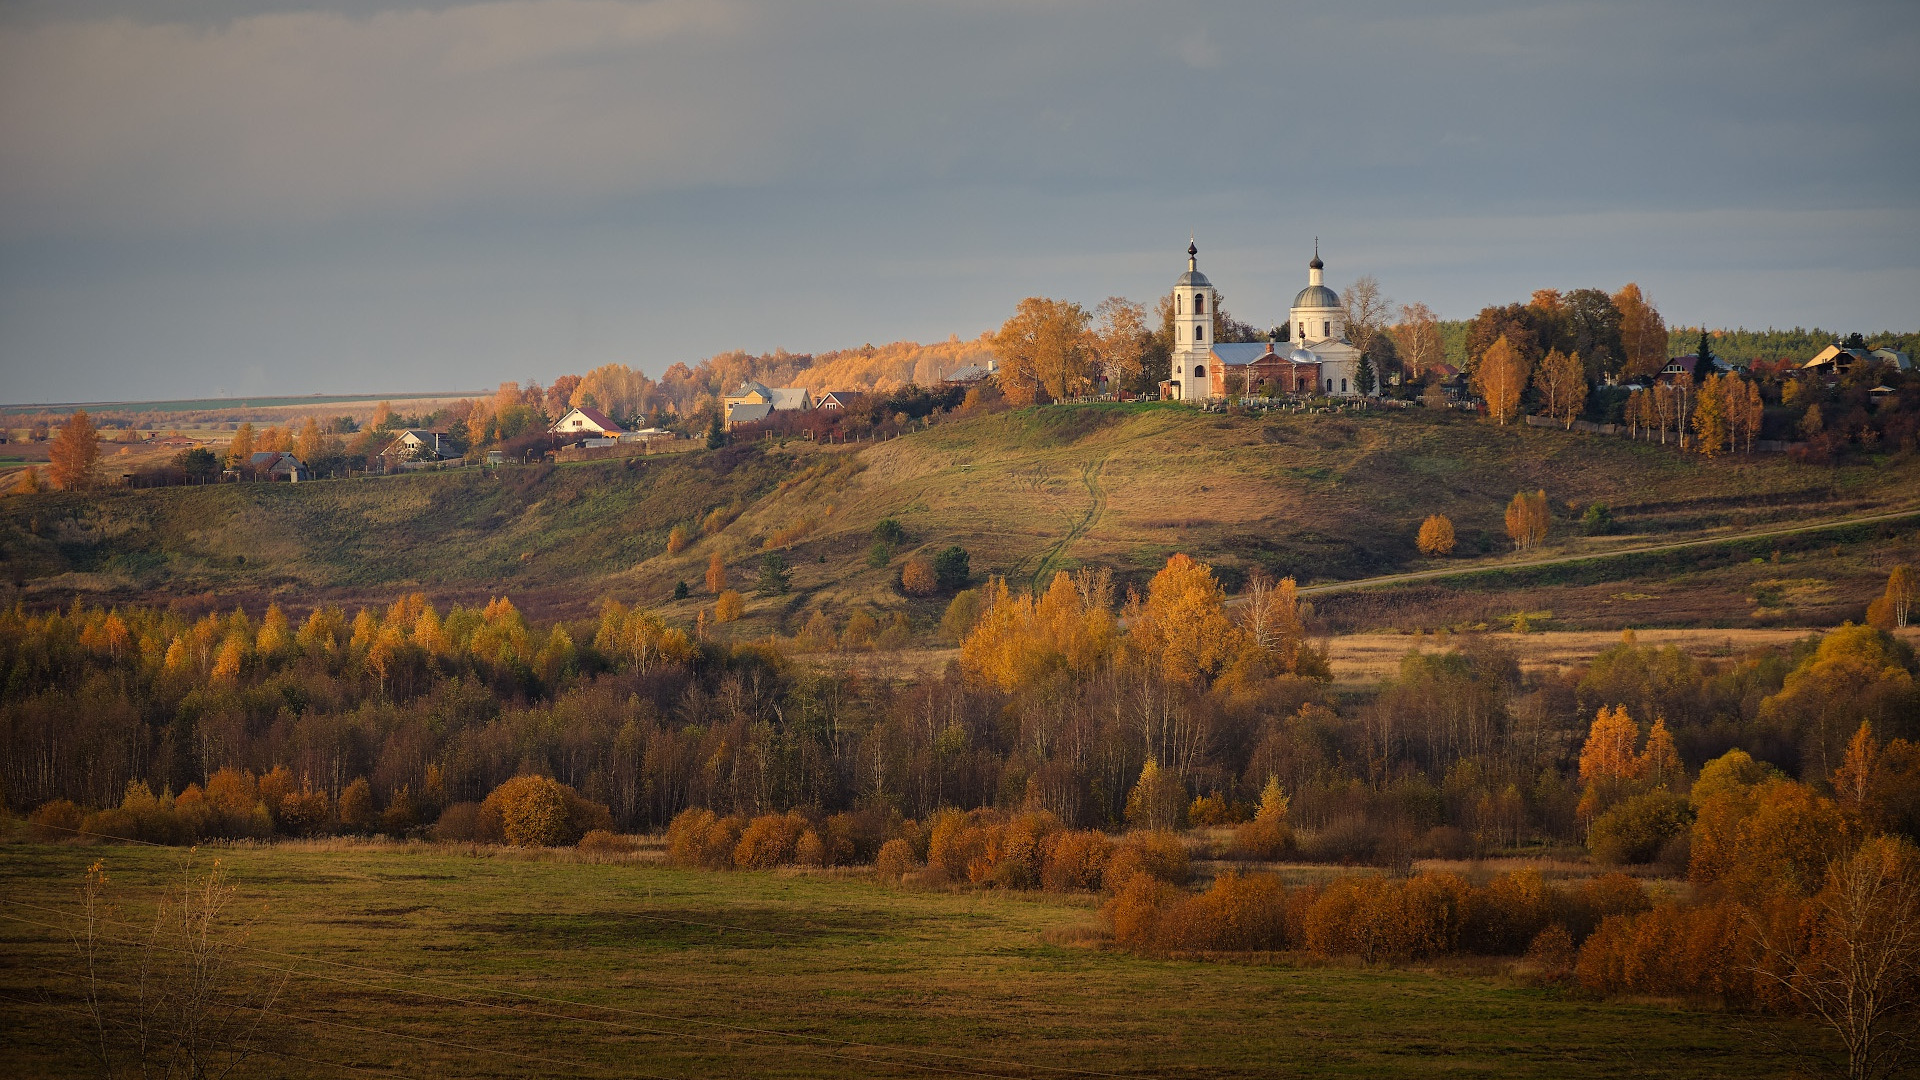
x=607 y=841
x=538 y=811
x=307 y=812
x=811 y=850
x=1208 y=811
x=1673 y=949
x=1015 y=852
x=950 y=567
x=728 y=607
x=1134 y=912
x=1636 y=830
x=1551 y=955
x=956 y=841
x=57 y=820
x=1506 y=915
x=1238 y=914
x=356 y=809
x=1436 y=536
x=769 y=840
x=458 y=823
x=1158 y=854
x=1076 y=859
x=917 y=577
x=696 y=837
x=895 y=860
x=678 y=540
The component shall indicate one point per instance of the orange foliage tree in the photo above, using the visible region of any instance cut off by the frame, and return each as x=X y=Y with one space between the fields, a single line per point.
x=75 y=453
x=1436 y=536
x=1500 y=378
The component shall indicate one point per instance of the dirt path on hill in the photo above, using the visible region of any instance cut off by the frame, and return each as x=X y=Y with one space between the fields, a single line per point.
x=1076 y=528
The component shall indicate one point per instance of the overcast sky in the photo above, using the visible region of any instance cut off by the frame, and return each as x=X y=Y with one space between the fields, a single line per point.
x=276 y=196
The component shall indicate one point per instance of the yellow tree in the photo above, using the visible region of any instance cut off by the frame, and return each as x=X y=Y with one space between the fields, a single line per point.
x=728 y=607
x=1042 y=348
x=75 y=453
x=1660 y=761
x=1500 y=379
x=1183 y=625
x=1643 y=334
x=716 y=574
x=312 y=444
x=1436 y=536
x=1120 y=340
x=1528 y=517
x=1710 y=416
x=241 y=448
x=1853 y=779
x=1417 y=338
x=1562 y=381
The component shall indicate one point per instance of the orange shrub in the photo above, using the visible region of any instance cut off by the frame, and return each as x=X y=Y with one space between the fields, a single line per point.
x=1209 y=811
x=1158 y=853
x=605 y=840
x=696 y=837
x=1134 y=912
x=458 y=823
x=956 y=841
x=1263 y=839
x=1015 y=852
x=769 y=840
x=307 y=812
x=1237 y=914
x=233 y=791
x=274 y=787
x=1697 y=950
x=917 y=577
x=539 y=811
x=356 y=811
x=895 y=860
x=1504 y=917
x=1076 y=859
x=57 y=820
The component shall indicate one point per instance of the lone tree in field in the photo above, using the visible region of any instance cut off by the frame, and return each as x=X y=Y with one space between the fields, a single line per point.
x=1527 y=519
x=1436 y=536
x=716 y=575
x=75 y=453
x=1500 y=379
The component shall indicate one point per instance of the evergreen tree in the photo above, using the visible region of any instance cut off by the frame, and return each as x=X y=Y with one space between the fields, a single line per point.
x=775 y=578
x=716 y=433
x=1363 y=378
x=1703 y=362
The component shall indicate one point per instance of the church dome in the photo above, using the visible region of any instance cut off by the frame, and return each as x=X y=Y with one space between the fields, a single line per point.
x=1316 y=296
x=1193 y=279
x=1302 y=356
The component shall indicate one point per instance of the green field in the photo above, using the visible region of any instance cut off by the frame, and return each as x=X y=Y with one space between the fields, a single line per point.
x=425 y=961
x=1028 y=492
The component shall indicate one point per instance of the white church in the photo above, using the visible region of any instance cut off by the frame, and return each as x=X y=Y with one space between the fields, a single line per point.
x=1319 y=359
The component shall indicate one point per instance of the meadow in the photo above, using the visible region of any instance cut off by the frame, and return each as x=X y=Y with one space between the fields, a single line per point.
x=428 y=960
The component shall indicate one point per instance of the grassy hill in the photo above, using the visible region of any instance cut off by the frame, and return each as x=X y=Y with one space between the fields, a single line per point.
x=1322 y=497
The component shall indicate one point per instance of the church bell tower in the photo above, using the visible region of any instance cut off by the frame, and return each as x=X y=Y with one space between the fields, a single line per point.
x=1193 y=300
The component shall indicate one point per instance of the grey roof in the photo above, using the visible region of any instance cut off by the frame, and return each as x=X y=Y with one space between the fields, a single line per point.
x=1316 y=296
x=748 y=411
x=1193 y=279
x=1237 y=353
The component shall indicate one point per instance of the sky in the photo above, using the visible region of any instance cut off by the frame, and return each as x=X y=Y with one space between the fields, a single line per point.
x=277 y=196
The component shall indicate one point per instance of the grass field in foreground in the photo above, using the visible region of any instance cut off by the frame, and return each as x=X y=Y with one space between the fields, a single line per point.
x=930 y=983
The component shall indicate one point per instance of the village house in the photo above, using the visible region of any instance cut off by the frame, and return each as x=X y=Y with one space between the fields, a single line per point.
x=757 y=401
x=417 y=445
x=1840 y=359
x=587 y=422
x=276 y=465
x=838 y=400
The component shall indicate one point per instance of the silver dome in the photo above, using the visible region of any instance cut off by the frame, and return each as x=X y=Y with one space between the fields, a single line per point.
x=1193 y=279
x=1316 y=296
x=1302 y=356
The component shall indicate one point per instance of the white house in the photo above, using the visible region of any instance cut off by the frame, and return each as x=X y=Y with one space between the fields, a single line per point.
x=420 y=444
x=588 y=422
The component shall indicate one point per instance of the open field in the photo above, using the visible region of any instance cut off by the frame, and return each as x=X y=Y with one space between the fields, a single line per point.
x=1324 y=498
x=535 y=966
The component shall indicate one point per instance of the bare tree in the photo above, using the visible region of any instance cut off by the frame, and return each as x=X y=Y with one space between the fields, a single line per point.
x=174 y=1001
x=1120 y=339
x=1858 y=967
x=1366 y=312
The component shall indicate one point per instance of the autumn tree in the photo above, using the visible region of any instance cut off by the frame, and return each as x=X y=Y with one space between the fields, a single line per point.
x=1898 y=599
x=1271 y=617
x=1745 y=412
x=312 y=442
x=1500 y=379
x=728 y=607
x=1436 y=536
x=716 y=574
x=1416 y=337
x=241 y=448
x=1158 y=799
x=1043 y=348
x=1182 y=628
x=1528 y=517
x=1120 y=340
x=1562 y=382
x=1643 y=334
x=917 y=577
x=75 y=454
x=1710 y=416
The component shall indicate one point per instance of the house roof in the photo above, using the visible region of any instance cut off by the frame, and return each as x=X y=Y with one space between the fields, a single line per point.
x=592 y=416
x=839 y=397
x=746 y=412
x=1236 y=353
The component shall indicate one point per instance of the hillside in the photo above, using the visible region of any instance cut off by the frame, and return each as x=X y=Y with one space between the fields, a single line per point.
x=1320 y=497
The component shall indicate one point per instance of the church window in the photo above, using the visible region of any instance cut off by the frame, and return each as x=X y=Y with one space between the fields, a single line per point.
x=1176 y=304
x=1199 y=333
x=1343 y=386
x=1303 y=331
x=1199 y=304
x=1326 y=328
x=1200 y=371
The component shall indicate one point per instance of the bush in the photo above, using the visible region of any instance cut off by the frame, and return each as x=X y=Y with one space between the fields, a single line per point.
x=57 y=820
x=356 y=811
x=1237 y=914
x=1158 y=854
x=950 y=567
x=604 y=840
x=458 y=823
x=696 y=837
x=769 y=840
x=1076 y=860
x=1551 y=955
x=1134 y=912
x=956 y=840
x=538 y=811
x=1015 y=852
x=1636 y=830
x=1263 y=839
x=1673 y=949
x=917 y=577
x=895 y=860
x=1505 y=916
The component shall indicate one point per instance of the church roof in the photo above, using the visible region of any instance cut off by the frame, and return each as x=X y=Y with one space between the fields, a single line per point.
x=1236 y=353
x=1193 y=279
x=1316 y=296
